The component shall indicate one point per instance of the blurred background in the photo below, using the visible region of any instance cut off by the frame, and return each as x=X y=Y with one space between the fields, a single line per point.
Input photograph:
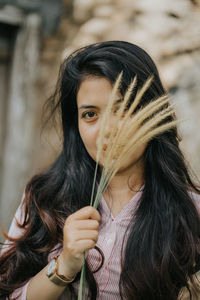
x=36 y=35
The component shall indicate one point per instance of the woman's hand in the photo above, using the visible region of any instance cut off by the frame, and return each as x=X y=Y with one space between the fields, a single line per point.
x=80 y=234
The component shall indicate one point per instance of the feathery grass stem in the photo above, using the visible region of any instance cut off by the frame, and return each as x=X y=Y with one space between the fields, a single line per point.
x=136 y=128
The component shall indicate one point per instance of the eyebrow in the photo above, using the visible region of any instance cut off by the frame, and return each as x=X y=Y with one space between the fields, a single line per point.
x=93 y=106
x=87 y=106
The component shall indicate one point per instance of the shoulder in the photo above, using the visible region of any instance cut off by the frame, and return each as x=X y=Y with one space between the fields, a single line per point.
x=196 y=200
x=15 y=229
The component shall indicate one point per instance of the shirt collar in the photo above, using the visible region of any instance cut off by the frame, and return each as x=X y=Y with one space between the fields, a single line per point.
x=127 y=211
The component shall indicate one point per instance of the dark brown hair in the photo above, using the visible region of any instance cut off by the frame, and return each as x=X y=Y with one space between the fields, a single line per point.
x=162 y=250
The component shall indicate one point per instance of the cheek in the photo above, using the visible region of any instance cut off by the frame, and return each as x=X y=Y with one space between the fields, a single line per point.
x=137 y=156
x=88 y=135
x=140 y=151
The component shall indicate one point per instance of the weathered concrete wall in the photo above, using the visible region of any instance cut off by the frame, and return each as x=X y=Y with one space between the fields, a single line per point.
x=20 y=118
x=22 y=26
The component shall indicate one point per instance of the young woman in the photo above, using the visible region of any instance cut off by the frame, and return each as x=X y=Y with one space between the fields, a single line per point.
x=143 y=241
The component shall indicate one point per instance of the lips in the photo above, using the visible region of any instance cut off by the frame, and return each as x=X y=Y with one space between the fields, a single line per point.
x=105 y=147
x=118 y=149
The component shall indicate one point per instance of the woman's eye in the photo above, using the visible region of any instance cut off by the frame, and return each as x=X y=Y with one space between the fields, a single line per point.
x=89 y=115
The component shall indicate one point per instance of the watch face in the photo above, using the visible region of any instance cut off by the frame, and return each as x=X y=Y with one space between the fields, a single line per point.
x=51 y=268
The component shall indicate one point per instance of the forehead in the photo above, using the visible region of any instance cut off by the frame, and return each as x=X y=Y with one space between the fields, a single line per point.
x=94 y=90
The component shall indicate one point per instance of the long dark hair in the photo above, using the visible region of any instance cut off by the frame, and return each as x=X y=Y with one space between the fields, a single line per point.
x=162 y=250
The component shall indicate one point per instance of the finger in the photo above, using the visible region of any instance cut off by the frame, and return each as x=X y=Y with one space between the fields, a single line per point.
x=86 y=235
x=86 y=224
x=84 y=245
x=87 y=212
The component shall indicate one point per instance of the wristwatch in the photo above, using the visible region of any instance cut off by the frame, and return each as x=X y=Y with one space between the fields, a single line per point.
x=53 y=275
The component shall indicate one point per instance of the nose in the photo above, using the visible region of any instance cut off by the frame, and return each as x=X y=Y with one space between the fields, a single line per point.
x=109 y=126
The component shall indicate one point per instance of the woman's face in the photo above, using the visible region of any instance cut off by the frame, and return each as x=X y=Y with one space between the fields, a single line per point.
x=92 y=99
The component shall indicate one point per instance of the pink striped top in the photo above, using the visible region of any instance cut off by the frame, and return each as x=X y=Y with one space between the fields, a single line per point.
x=112 y=231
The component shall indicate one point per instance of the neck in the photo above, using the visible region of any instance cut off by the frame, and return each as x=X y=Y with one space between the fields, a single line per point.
x=127 y=182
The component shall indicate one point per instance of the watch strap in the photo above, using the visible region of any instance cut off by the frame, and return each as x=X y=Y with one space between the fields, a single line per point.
x=59 y=279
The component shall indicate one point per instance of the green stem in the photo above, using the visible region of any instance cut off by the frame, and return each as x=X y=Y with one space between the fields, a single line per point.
x=82 y=286
x=94 y=182
x=103 y=184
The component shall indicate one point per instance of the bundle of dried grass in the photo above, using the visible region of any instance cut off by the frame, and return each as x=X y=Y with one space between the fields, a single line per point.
x=129 y=132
